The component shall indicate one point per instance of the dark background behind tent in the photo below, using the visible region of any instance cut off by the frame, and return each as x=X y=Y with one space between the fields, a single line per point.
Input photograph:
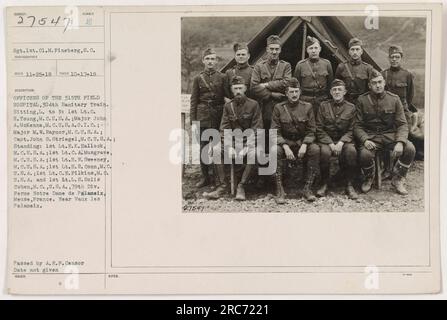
x=222 y=32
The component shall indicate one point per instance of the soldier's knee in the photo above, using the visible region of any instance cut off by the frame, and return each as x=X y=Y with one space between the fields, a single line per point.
x=409 y=148
x=313 y=149
x=325 y=153
x=350 y=154
x=366 y=157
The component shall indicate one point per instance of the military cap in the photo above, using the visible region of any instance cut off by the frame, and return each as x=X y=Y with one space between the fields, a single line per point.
x=396 y=49
x=240 y=46
x=355 y=42
x=374 y=74
x=293 y=83
x=310 y=41
x=207 y=52
x=237 y=80
x=273 y=39
x=337 y=83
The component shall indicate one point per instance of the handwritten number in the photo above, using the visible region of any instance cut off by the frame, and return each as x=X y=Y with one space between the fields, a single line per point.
x=55 y=22
x=68 y=22
x=20 y=20
x=34 y=19
x=42 y=21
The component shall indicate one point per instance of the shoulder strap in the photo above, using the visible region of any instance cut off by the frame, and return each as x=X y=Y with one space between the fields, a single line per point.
x=290 y=116
x=313 y=74
x=206 y=83
x=349 y=71
x=232 y=109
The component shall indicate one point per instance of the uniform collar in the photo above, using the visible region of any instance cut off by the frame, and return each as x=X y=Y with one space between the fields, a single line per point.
x=272 y=62
x=395 y=68
x=339 y=104
x=378 y=96
x=314 y=60
x=293 y=104
x=209 y=72
x=355 y=62
x=242 y=66
x=241 y=101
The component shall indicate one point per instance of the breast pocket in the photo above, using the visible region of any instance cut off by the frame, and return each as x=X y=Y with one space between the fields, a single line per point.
x=345 y=122
x=246 y=120
x=401 y=89
x=322 y=75
x=389 y=115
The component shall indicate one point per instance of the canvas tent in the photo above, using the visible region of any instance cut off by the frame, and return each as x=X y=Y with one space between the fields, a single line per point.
x=333 y=35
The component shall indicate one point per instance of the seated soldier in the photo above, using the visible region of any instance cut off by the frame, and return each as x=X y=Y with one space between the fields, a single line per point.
x=294 y=121
x=244 y=114
x=381 y=125
x=335 y=120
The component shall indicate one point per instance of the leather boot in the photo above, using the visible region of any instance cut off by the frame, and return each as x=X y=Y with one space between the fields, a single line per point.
x=220 y=191
x=321 y=192
x=368 y=175
x=240 y=193
x=205 y=179
x=399 y=174
x=307 y=192
x=350 y=191
x=280 y=194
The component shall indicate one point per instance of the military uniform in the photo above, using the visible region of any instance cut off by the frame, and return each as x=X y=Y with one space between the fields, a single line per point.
x=295 y=125
x=355 y=74
x=381 y=119
x=400 y=82
x=315 y=77
x=276 y=74
x=207 y=100
x=242 y=114
x=335 y=122
x=244 y=70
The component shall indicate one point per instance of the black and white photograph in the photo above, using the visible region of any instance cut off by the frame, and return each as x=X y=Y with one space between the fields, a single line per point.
x=330 y=112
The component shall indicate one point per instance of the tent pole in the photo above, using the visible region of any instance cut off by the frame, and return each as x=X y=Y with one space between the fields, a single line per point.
x=303 y=51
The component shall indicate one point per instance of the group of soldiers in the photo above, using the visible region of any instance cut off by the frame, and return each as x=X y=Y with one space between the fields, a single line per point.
x=318 y=116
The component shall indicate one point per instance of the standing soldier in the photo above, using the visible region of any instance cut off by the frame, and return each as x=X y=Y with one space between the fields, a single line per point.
x=240 y=113
x=335 y=121
x=314 y=74
x=381 y=125
x=207 y=99
x=354 y=72
x=399 y=80
x=242 y=69
x=269 y=79
x=294 y=121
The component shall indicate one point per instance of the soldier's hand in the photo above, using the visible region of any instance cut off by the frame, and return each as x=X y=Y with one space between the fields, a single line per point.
x=369 y=145
x=289 y=153
x=302 y=151
x=398 y=150
x=338 y=148
x=332 y=147
x=277 y=95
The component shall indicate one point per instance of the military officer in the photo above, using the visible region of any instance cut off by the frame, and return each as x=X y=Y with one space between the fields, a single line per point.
x=242 y=69
x=294 y=121
x=381 y=125
x=334 y=121
x=399 y=80
x=240 y=113
x=314 y=74
x=354 y=72
x=269 y=79
x=207 y=99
